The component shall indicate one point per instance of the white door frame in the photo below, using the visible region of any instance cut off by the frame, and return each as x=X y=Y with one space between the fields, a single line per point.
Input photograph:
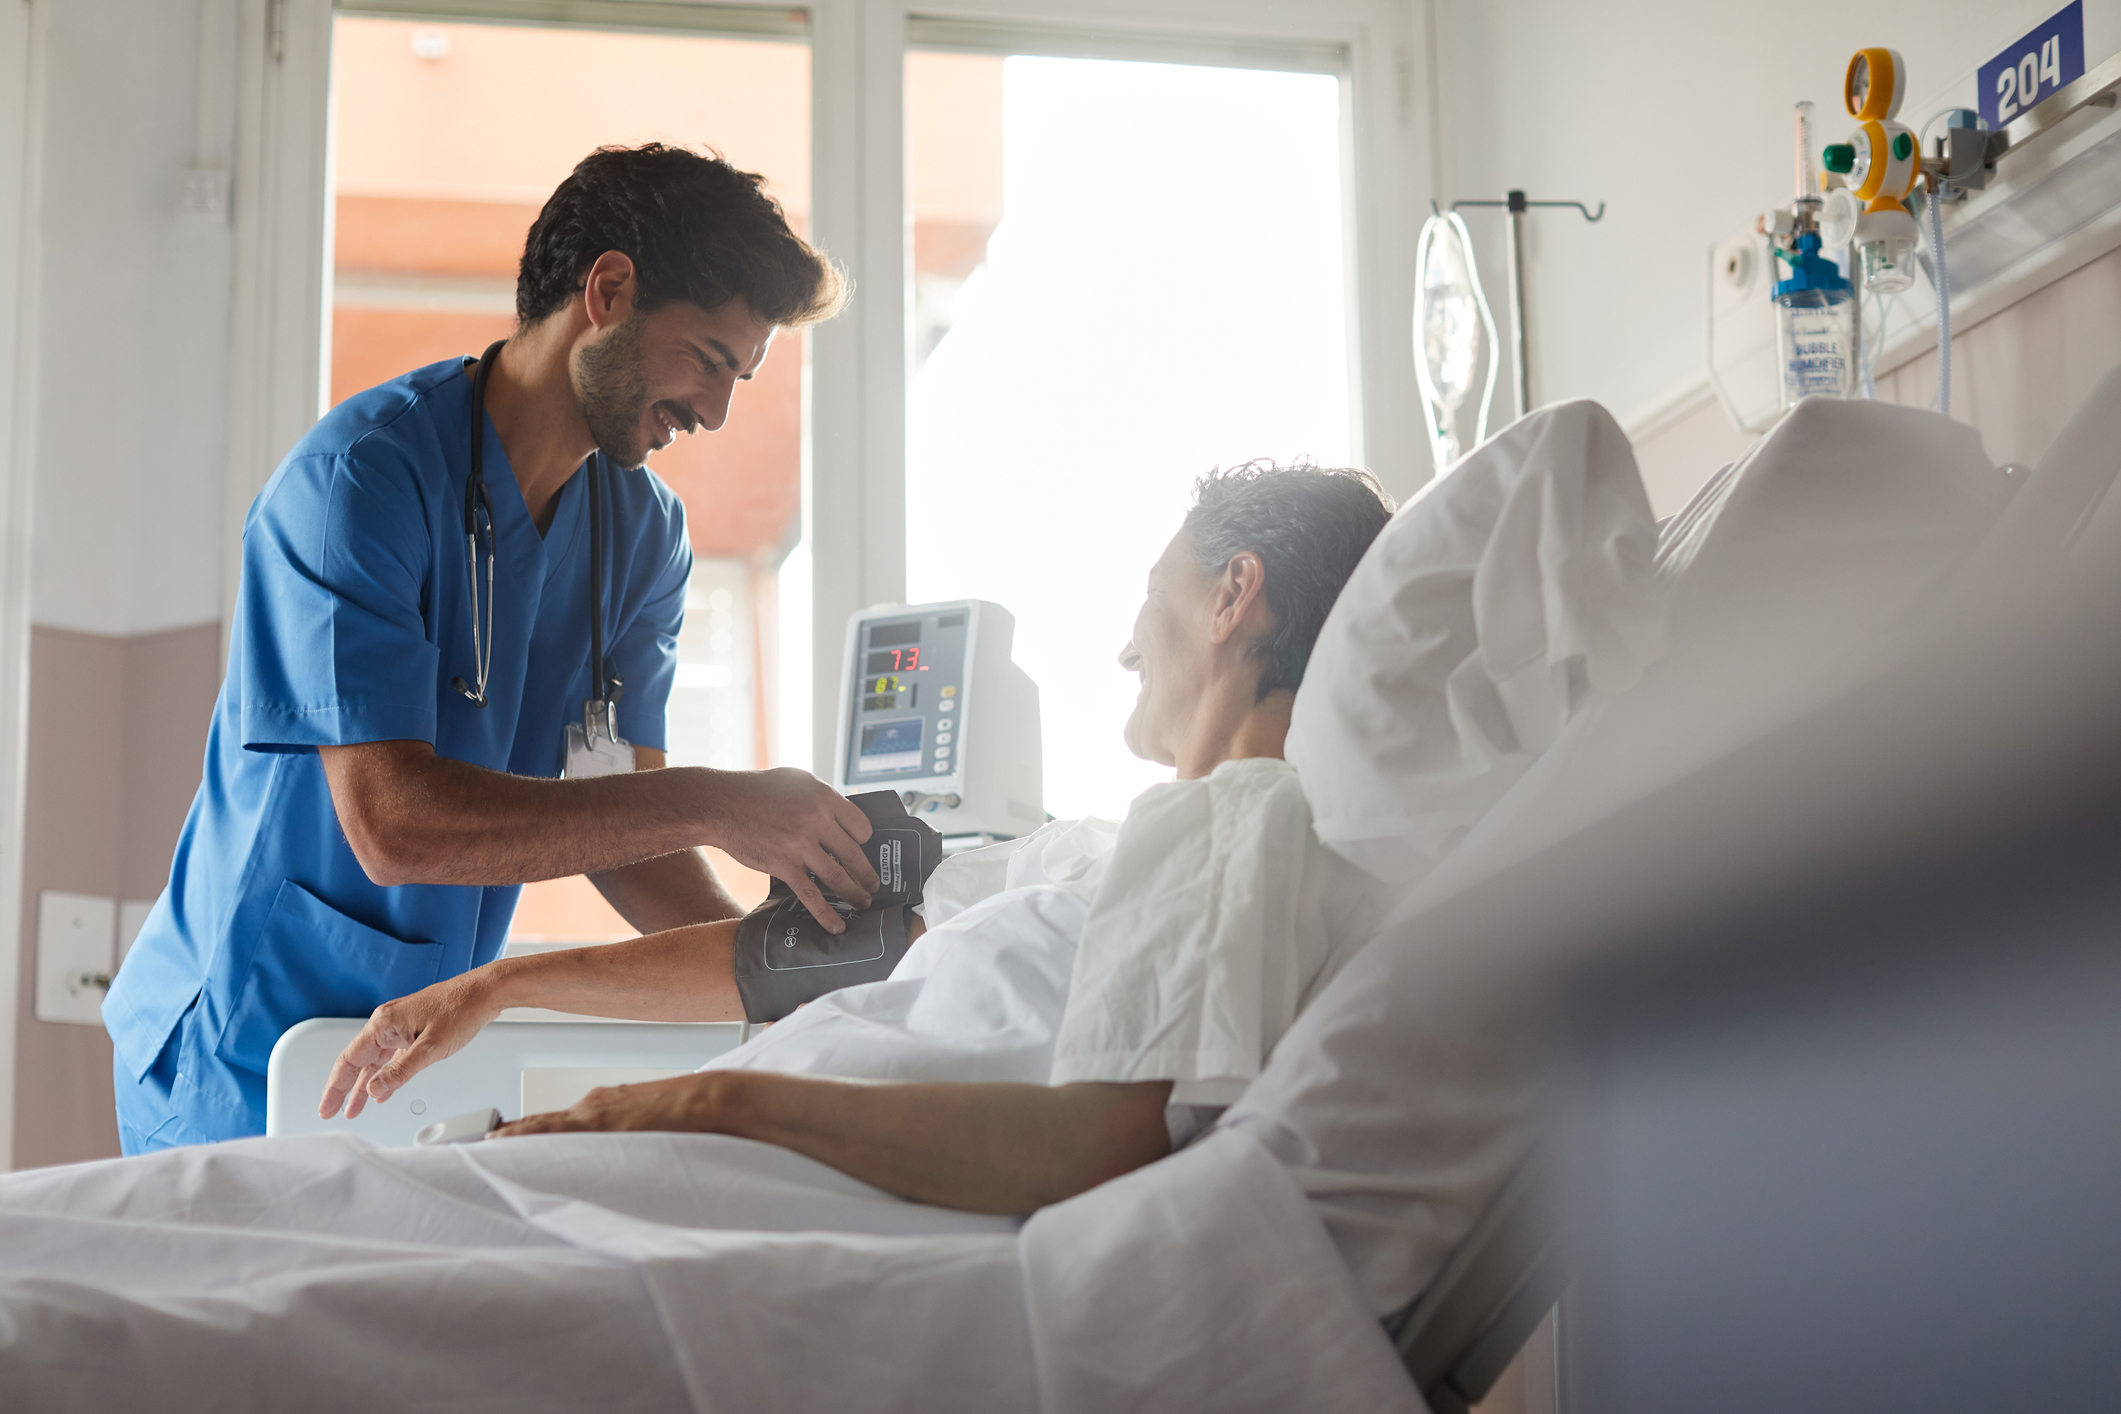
x=858 y=362
x=282 y=251
x=22 y=29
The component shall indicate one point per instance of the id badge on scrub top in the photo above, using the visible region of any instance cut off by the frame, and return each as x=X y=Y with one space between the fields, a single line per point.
x=593 y=746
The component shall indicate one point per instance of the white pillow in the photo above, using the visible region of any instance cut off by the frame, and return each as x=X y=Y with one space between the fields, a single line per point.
x=1794 y=573
x=1482 y=617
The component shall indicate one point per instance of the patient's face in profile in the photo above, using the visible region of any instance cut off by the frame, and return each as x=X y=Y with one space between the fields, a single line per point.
x=1171 y=651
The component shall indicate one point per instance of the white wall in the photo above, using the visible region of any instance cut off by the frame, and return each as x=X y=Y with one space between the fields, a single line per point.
x=132 y=356
x=1677 y=114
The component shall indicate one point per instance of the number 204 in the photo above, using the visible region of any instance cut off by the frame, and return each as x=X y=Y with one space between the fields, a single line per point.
x=2017 y=88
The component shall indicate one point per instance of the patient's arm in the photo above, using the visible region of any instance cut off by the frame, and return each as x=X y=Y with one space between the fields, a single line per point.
x=983 y=1148
x=684 y=974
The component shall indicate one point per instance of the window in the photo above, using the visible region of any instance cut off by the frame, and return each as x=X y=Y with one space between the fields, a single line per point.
x=448 y=139
x=1124 y=274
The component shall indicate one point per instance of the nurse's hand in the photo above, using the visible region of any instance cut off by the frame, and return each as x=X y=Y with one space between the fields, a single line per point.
x=404 y=1037
x=790 y=824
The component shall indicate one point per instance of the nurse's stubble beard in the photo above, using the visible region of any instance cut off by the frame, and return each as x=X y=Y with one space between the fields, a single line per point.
x=611 y=382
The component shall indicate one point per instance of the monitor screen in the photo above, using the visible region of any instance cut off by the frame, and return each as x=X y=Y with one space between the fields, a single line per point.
x=907 y=692
x=890 y=746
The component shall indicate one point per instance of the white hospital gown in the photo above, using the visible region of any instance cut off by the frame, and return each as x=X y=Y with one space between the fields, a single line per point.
x=1178 y=946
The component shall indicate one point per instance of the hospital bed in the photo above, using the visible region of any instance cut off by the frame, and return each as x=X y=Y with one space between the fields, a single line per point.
x=1506 y=1273
x=1510 y=1271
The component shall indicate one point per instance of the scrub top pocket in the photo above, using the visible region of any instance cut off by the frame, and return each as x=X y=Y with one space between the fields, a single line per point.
x=312 y=960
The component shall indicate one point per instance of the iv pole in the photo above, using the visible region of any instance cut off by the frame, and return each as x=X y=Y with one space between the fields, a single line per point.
x=1515 y=203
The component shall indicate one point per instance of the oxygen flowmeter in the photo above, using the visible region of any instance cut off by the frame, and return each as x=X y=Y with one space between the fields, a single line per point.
x=1881 y=162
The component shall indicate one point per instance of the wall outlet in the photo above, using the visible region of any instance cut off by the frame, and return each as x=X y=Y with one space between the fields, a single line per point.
x=76 y=952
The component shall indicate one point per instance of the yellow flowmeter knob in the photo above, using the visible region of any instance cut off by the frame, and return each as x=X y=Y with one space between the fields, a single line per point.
x=1882 y=160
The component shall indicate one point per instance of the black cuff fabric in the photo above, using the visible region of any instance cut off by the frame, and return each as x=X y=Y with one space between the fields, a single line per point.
x=784 y=958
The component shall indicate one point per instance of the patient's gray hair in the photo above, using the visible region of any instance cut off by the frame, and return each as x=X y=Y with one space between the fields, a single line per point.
x=1309 y=525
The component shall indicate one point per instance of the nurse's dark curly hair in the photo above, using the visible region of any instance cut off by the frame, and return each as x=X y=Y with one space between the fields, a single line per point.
x=696 y=229
x=1309 y=526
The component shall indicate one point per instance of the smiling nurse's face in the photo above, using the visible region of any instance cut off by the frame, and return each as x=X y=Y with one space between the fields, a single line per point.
x=648 y=377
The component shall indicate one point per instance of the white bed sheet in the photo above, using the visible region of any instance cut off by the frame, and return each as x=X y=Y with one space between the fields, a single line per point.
x=664 y=1272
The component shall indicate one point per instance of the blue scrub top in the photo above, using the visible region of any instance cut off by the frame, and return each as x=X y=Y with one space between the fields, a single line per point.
x=352 y=618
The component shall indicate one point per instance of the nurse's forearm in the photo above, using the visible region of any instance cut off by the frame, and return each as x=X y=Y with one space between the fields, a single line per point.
x=670 y=890
x=684 y=974
x=413 y=817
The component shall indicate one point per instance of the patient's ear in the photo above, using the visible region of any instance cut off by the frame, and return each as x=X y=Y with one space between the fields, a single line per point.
x=1240 y=594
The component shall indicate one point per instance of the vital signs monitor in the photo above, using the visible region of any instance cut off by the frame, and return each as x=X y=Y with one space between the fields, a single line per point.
x=932 y=706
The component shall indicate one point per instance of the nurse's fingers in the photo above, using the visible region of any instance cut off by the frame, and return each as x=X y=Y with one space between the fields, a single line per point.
x=805 y=889
x=845 y=847
x=851 y=819
x=825 y=863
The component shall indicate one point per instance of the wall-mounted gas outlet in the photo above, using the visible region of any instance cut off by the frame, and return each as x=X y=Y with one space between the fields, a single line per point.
x=76 y=954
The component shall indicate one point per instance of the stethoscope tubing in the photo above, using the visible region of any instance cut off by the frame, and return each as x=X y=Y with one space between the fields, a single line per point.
x=478 y=506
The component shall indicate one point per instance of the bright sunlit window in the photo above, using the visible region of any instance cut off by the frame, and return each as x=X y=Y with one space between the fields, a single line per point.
x=1155 y=289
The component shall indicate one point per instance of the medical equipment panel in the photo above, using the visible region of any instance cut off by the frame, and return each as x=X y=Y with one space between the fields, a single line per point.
x=931 y=706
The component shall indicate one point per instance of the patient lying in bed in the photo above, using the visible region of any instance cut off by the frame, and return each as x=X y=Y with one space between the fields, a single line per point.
x=1083 y=999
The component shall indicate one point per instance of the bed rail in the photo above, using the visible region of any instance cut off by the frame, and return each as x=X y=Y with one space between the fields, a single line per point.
x=1491 y=1295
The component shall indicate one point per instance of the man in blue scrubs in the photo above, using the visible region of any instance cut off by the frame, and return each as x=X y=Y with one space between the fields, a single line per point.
x=364 y=825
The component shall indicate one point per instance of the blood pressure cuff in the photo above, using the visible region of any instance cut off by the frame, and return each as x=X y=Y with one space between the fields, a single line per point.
x=785 y=958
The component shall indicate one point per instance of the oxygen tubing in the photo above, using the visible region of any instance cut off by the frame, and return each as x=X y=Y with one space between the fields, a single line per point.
x=1943 y=284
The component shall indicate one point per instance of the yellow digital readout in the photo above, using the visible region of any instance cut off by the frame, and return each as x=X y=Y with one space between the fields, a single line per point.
x=892 y=684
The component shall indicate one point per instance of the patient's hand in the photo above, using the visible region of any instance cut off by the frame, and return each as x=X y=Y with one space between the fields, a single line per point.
x=682 y=1102
x=404 y=1037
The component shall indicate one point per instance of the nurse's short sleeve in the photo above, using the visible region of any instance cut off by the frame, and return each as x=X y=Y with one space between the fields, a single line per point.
x=331 y=644
x=645 y=656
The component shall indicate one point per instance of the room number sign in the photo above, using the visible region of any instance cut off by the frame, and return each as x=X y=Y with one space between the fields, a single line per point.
x=2035 y=67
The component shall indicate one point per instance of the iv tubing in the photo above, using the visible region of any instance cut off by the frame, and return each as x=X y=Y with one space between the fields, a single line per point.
x=1943 y=284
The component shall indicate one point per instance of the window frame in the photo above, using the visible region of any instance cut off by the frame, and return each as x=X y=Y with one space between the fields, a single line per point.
x=855 y=454
x=22 y=131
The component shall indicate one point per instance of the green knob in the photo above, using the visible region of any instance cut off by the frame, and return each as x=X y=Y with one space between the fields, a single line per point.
x=1903 y=146
x=1839 y=157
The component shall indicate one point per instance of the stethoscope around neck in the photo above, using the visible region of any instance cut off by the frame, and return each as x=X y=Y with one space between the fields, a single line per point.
x=478 y=522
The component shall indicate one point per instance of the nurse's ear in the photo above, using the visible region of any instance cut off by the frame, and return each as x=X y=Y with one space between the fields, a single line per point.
x=609 y=289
